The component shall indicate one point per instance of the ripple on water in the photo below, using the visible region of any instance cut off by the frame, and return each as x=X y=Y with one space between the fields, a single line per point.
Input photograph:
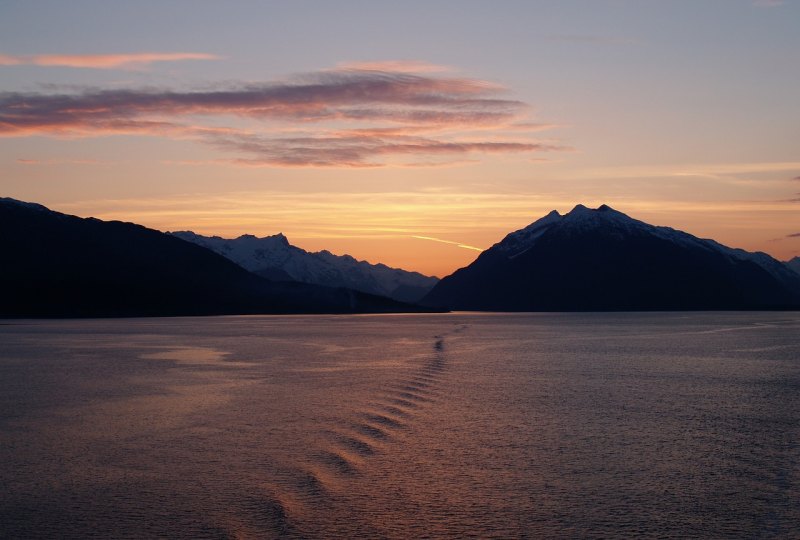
x=536 y=426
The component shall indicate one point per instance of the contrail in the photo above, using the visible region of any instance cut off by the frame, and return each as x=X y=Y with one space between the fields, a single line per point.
x=465 y=246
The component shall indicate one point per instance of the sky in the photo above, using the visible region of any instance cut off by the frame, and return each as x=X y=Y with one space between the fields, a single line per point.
x=414 y=134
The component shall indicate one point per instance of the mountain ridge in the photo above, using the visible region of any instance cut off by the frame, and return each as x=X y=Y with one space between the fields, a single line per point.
x=275 y=256
x=58 y=265
x=602 y=259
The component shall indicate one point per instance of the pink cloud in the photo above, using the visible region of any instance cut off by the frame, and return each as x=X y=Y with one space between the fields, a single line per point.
x=100 y=61
x=341 y=151
x=390 y=112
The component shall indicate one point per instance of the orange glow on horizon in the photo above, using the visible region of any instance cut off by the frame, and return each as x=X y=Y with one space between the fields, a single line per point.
x=426 y=232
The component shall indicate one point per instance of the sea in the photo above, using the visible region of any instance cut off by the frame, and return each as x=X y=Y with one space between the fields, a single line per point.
x=459 y=425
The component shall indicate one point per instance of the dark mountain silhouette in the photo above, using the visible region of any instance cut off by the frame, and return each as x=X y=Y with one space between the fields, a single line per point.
x=603 y=260
x=57 y=265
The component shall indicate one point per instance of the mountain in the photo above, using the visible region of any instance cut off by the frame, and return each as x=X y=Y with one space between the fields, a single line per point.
x=274 y=257
x=57 y=265
x=601 y=259
x=794 y=264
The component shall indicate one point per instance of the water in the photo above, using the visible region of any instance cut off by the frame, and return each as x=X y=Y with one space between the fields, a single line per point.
x=402 y=426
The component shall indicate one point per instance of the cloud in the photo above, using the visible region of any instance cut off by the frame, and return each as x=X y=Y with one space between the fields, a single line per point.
x=708 y=170
x=795 y=199
x=396 y=66
x=459 y=244
x=358 y=151
x=100 y=61
x=343 y=117
x=768 y=3
x=793 y=235
x=28 y=161
x=595 y=40
x=327 y=214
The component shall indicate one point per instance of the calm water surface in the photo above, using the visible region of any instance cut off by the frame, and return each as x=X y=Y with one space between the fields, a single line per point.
x=416 y=426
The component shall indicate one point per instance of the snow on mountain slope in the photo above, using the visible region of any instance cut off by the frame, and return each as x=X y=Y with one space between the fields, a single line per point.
x=794 y=264
x=272 y=254
x=601 y=259
x=581 y=218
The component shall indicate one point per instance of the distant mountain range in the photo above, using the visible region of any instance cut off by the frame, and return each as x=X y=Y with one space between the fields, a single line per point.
x=275 y=258
x=601 y=259
x=57 y=265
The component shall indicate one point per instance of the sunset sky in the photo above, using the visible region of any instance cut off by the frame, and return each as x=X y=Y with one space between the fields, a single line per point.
x=409 y=133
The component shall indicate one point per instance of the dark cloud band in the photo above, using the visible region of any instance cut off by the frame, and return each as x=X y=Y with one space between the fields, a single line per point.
x=390 y=109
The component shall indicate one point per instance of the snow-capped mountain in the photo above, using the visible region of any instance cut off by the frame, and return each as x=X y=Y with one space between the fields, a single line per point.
x=275 y=258
x=794 y=264
x=581 y=219
x=603 y=259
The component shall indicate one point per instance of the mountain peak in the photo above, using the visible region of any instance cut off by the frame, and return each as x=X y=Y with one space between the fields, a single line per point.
x=584 y=210
x=601 y=259
x=579 y=209
x=605 y=216
x=273 y=255
x=275 y=239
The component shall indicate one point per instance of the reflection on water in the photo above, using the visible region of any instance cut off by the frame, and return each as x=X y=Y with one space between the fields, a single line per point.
x=505 y=426
x=189 y=355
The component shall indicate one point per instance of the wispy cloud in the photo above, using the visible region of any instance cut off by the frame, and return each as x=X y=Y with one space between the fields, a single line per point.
x=794 y=199
x=329 y=218
x=591 y=39
x=28 y=161
x=437 y=214
x=707 y=170
x=768 y=3
x=459 y=244
x=357 y=151
x=100 y=61
x=329 y=214
x=395 y=66
x=793 y=235
x=346 y=117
